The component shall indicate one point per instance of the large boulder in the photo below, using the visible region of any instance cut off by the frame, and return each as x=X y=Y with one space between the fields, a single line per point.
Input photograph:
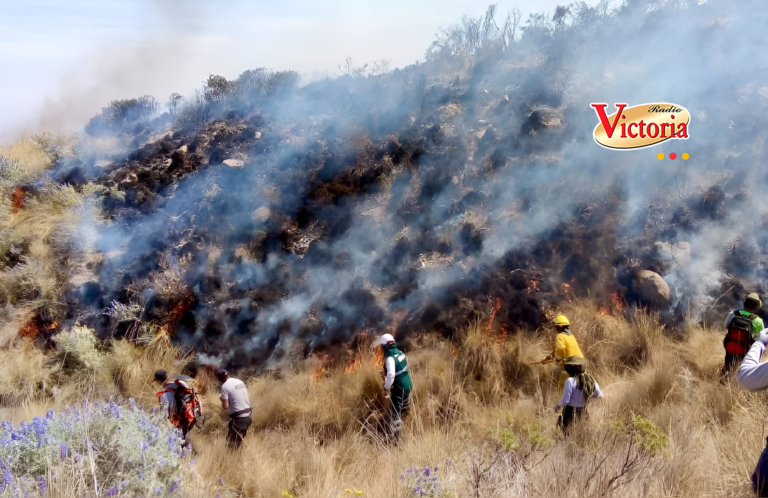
x=651 y=288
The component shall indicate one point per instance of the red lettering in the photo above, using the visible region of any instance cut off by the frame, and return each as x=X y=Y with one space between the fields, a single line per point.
x=664 y=129
x=653 y=132
x=642 y=129
x=630 y=130
x=607 y=126
x=682 y=130
x=623 y=130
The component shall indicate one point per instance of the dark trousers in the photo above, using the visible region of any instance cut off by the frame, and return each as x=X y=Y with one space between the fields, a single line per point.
x=398 y=408
x=237 y=429
x=570 y=415
x=760 y=475
x=401 y=401
x=732 y=363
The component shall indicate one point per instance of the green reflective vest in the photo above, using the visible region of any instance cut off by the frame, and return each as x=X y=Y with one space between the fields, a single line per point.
x=402 y=376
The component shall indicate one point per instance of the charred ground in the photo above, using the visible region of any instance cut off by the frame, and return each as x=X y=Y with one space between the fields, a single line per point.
x=259 y=218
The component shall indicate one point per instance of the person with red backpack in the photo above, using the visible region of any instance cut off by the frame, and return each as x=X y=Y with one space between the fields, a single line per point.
x=179 y=402
x=743 y=326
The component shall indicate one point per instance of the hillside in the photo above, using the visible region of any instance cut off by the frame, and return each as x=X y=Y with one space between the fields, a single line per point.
x=460 y=203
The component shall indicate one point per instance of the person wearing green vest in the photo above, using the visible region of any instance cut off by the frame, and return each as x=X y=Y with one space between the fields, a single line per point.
x=742 y=328
x=397 y=383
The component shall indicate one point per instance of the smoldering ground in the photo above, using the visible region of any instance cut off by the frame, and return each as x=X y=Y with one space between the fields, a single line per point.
x=416 y=199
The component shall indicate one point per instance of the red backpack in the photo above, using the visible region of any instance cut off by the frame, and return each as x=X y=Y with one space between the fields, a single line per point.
x=188 y=409
x=738 y=339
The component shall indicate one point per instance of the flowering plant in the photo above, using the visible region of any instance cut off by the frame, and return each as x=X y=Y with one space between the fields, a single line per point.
x=423 y=482
x=121 y=449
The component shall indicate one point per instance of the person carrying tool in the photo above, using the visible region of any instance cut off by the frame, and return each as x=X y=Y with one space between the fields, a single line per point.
x=753 y=376
x=397 y=384
x=565 y=347
x=742 y=326
x=579 y=388
x=234 y=399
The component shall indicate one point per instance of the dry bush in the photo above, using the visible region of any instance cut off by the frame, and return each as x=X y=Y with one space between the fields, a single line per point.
x=480 y=364
x=29 y=155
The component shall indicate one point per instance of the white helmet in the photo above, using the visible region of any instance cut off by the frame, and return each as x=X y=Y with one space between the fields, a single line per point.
x=386 y=339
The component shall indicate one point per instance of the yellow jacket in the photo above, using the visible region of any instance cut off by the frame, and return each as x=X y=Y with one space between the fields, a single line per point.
x=565 y=346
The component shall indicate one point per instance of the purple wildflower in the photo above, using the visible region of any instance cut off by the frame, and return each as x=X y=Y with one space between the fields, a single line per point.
x=112 y=492
x=63 y=450
x=49 y=414
x=42 y=484
x=175 y=485
x=426 y=471
x=158 y=491
x=114 y=409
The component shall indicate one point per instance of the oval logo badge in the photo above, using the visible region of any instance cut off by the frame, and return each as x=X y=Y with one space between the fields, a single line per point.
x=639 y=126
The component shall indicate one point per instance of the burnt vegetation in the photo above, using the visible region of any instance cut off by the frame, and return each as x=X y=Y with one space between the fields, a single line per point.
x=258 y=215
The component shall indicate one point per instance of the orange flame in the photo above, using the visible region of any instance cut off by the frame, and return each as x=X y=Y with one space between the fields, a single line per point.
x=496 y=308
x=532 y=285
x=618 y=301
x=322 y=368
x=17 y=199
x=601 y=311
x=353 y=364
x=37 y=327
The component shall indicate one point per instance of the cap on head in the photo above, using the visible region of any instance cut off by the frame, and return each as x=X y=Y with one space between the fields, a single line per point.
x=386 y=339
x=562 y=321
x=222 y=374
x=753 y=301
x=161 y=375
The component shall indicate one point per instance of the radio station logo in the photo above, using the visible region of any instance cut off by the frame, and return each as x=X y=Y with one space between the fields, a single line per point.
x=640 y=126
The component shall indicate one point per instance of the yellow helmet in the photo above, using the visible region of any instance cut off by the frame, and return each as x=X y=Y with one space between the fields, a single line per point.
x=561 y=321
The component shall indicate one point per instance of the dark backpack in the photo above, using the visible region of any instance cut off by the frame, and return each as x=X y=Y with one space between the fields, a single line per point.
x=738 y=339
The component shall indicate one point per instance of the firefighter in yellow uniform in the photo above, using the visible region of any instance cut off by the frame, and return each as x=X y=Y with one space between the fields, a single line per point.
x=565 y=347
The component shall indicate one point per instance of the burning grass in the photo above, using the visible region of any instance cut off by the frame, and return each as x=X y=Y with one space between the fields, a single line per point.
x=667 y=426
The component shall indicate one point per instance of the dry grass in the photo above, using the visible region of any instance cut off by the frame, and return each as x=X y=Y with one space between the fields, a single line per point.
x=30 y=156
x=479 y=405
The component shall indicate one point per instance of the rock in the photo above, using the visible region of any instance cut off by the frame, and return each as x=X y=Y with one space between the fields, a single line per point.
x=651 y=288
x=680 y=253
x=261 y=214
x=234 y=163
x=257 y=135
x=183 y=149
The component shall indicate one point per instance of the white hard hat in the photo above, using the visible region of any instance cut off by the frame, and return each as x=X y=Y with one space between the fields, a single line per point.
x=386 y=339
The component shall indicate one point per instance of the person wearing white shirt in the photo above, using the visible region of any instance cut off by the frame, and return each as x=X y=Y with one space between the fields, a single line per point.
x=234 y=399
x=579 y=387
x=753 y=376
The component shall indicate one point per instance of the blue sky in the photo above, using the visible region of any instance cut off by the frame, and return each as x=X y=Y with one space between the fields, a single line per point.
x=63 y=61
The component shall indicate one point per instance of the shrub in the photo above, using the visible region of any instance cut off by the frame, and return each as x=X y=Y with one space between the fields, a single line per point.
x=10 y=173
x=218 y=87
x=648 y=436
x=122 y=113
x=119 y=448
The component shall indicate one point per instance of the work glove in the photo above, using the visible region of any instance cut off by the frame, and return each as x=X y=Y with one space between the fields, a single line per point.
x=557 y=409
x=763 y=337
